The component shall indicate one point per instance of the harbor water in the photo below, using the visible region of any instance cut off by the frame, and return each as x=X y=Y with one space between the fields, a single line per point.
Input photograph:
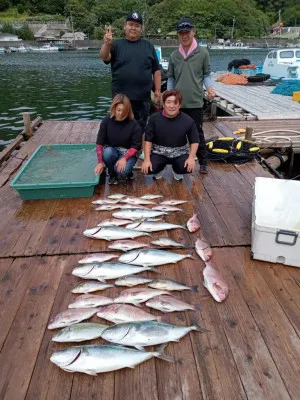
x=72 y=85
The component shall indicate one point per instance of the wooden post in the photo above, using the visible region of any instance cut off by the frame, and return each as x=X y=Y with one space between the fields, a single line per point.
x=213 y=110
x=248 y=134
x=27 y=124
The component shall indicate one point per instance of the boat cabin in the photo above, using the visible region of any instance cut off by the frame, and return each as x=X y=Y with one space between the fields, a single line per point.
x=283 y=63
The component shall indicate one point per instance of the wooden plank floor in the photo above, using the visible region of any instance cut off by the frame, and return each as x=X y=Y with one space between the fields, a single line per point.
x=252 y=348
x=259 y=101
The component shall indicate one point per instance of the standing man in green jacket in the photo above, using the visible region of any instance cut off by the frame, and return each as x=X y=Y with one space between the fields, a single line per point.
x=189 y=69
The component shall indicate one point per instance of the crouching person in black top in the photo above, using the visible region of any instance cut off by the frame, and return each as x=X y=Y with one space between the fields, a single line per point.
x=119 y=138
x=171 y=137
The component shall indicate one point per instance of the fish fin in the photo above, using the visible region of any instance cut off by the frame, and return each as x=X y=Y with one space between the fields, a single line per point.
x=140 y=348
x=154 y=270
x=101 y=280
x=194 y=288
x=137 y=305
x=198 y=328
x=159 y=353
x=90 y=373
x=196 y=307
x=184 y=227
x=191 y=255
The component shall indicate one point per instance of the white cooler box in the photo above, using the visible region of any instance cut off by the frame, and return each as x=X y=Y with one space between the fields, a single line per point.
x=276 y=221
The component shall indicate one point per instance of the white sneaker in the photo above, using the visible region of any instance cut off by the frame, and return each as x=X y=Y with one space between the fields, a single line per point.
x=159 y=175
x=177 y=176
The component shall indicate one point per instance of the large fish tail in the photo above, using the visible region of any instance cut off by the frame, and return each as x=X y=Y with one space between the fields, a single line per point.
x=159 y=353
x=196 y=327
x=194 y=288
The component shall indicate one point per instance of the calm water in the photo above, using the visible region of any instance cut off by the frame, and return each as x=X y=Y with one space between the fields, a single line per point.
x=71 y=85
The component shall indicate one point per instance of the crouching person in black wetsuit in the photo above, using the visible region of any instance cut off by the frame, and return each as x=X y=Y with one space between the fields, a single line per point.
x=171 y=137
x=119 y=138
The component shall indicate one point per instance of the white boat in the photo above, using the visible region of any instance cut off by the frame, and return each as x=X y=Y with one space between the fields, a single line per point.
x=2 y=50
x=164 y=63
x=45 y=47
x=283 y=63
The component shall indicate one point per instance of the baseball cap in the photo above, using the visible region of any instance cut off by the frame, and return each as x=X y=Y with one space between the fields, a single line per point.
x=135 y=16
x=185 y=24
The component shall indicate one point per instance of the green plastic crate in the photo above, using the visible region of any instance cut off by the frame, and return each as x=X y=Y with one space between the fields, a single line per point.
x=58 y=171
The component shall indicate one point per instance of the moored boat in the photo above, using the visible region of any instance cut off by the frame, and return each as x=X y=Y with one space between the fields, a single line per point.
x=283 y=63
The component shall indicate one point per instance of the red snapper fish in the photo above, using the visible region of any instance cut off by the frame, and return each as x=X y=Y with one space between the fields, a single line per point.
x=214 y=283
x=203 y=249
x=193 y=224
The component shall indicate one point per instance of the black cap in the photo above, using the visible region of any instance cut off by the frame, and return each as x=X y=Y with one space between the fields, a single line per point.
x=135 y=16
x=185 y=24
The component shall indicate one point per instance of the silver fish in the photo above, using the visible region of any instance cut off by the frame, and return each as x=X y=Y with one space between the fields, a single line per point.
x=162 y=207
x=106 y=201
x=151 y=196
x=193 y=223
x=168 y=304
x=114 y=222
x=108 y=270
x=169 y=284
x=138 y=213
x=132 y=280
x=94 y=359
x=146 y=333
x=152 y=257
x=172 y=202
x=71 y=316
x=167 y=242
x=147 y=226
x=132 y=207
x=203 y=249
x=90 y=301
x=125 y=245
x=107 y=207
x=116 y=196
x=138 y=295
x=118 y=313
x=79 y=332
x=214 y=283
x=97 y=257
x=113 y=233
x=136 y=200
x=90 y=286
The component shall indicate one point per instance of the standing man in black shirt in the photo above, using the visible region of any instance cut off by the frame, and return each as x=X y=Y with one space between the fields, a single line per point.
x=133 y=64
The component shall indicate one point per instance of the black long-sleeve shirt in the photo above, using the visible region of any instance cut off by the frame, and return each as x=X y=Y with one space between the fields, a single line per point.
x=126 y=134
x=171 y=132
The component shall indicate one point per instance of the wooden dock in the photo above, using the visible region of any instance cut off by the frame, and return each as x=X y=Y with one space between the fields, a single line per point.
x=254 y=102
x=253 y=348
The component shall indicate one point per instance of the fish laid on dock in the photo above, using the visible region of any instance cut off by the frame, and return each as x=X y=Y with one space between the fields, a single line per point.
x=162 y=207
x=146 y=333
x=138 y=295
x=169 y=284
x=151 y=196
x=172 y=202
x=138 y=213
x=167 y=242
x=71 y=317
x=152 y=257
x=132 y=280
x=98 y=257
x=203 y=249
x=90 y=286
x=113 y=233
x=94 y=359
x=114 y=222
x=126 y=245
x=148 y=226
x=193 y=224
x=118 y=313
x=107 y=207
x=116 y=196
x=214 y=283
x=106 y=201
x=108 y=270
x=79 y=332
x=136 y=200
x=169 y=303
x=90 y=301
